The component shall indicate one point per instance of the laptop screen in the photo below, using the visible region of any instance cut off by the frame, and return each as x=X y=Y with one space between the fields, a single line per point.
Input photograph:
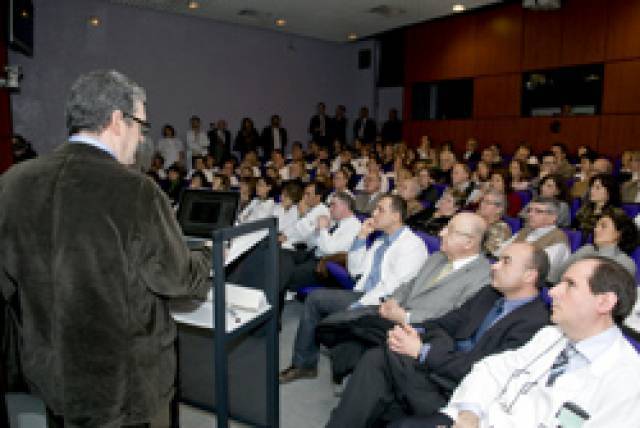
x=202 y=211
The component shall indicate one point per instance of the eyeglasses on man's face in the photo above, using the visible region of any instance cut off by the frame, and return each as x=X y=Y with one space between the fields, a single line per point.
x=145 y=126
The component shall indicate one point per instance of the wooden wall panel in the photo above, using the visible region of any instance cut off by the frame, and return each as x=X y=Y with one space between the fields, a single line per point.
x=623 y=30
x=621 y=89
x=441 y=49
x=584 y=31
x=498 y=40
x=542 y=39
x=497 y=96
x=619 y=133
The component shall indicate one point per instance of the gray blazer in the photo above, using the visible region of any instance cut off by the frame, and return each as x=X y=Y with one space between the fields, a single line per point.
x=424 y=302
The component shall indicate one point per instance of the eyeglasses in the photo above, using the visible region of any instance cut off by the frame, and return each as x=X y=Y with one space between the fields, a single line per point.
x=538 y=211
x=490 y=202
x=145 y=126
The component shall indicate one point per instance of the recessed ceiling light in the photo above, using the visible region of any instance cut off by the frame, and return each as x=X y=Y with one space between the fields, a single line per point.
x=24 y=13
x=94 y=21
x=281 y=22
x=352 y=36
x=194 y=5
x=458 y=7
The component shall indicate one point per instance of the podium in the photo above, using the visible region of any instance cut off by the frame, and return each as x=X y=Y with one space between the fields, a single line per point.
x=232 y=370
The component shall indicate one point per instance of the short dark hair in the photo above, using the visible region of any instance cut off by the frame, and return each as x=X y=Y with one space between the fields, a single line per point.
x=347 y=199
x=609 y=182
x=552 y=203
x=609 y=276
x=319 y=188
x=96 y=95
x=540 y=263
x=561 y=184
x=625 y=226
x=398 y=205
x=293 y=189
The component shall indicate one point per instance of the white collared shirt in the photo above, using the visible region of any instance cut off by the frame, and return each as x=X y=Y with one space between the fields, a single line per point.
x=340 y=240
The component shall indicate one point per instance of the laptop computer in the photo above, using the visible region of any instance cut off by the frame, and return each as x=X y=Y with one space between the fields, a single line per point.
x=201 y=211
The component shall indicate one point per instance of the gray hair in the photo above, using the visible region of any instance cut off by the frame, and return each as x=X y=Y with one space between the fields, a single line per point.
x=96 y=95
x=500 y=197
x=552 y=204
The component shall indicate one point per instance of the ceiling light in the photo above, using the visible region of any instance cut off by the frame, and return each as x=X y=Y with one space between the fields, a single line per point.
x=281 y=22
x=94 y=21
x=458 y=7
x=352 y=36
x=24 y=13
x=194 y=5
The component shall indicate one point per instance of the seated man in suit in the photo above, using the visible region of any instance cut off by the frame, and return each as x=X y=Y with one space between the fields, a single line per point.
x=541 y=231
x=392 y=259
x=366 y=199
x=406 y=377
x=581 y=372
x=448 y=279
x=297 y=268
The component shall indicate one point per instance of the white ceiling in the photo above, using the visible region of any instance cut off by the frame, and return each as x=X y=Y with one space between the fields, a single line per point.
x=329 y=20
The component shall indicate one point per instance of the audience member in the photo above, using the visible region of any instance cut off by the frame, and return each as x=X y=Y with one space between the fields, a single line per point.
x=432 y=220
x=319 y=125
x=582 y=369
x=364 y=128
x=338 y=128
x=409 y=189
x=553 y=186
x=393 y=259
x=541 y=231
x=196 y=139
x=491 y=210
x=392 y=129
x=171 y=148
x=603 y=192
x=405 y=376
x=262 y=205
x=247 y=138
x=471 y=151
x=520 y=177
x=366 y=199
x=287 y=211
x=615 y=236
x=310 y=208
x=220 y=141
x=428 y=192
x=274 y=137
x=630 y=189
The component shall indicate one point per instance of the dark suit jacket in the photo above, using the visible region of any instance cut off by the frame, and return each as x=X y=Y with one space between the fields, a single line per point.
x=91 y=250
x=370 y=130
x=314 y=124
x=267 y=140
x=338 y=130
x=510 y=332
x=219 y=148
x=391 y=131
x=243 y=143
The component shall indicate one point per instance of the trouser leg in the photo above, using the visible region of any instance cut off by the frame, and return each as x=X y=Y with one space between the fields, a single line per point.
x=318 y=305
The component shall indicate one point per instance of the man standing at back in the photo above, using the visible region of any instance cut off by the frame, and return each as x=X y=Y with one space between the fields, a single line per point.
x=90 y=253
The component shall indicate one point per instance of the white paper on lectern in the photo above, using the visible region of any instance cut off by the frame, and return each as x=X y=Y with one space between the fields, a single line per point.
x=244 y=243
x=243 y=303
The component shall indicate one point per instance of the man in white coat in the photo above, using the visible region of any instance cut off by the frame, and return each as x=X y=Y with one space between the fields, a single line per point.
x=582 y=372
x=393 y=259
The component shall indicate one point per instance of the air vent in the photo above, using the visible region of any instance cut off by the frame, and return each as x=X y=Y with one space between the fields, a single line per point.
x=387 y=11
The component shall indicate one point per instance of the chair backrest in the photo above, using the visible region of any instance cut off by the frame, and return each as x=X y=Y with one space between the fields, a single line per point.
x=575 y=239
x=636 y=258
x=632 y=210
x=575 y=206
x=432 y=242
x=525 y=196
x=514 y=223
x=440 y=188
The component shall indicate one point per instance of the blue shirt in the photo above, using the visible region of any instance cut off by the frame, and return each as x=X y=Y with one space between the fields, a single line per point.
x=490 y=319
x=83 y=139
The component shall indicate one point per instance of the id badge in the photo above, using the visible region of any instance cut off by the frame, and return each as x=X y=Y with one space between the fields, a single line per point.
x=571 y=416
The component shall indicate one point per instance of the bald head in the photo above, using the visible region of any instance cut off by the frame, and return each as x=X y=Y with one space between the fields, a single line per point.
x=463 y=235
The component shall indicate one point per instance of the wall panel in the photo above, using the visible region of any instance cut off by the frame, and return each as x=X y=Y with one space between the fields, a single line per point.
x=623 y=30
x=621 y=89
x=496 y=96
x=498 y=40
x=584 y=31
x=542 y=39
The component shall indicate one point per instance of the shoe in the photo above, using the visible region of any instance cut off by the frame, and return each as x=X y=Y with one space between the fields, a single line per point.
x=292 y=373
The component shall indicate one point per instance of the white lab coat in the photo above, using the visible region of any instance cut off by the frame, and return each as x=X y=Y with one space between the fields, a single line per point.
x=608 y=388
x=400 y=264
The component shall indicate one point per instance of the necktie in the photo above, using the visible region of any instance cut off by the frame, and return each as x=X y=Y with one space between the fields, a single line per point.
x=374 y=275
x=492 y=316
x=446 y=270
x=333 y=228
x=560 y=364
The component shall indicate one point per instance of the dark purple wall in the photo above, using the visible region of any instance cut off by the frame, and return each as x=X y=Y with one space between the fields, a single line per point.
x=188 y=66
